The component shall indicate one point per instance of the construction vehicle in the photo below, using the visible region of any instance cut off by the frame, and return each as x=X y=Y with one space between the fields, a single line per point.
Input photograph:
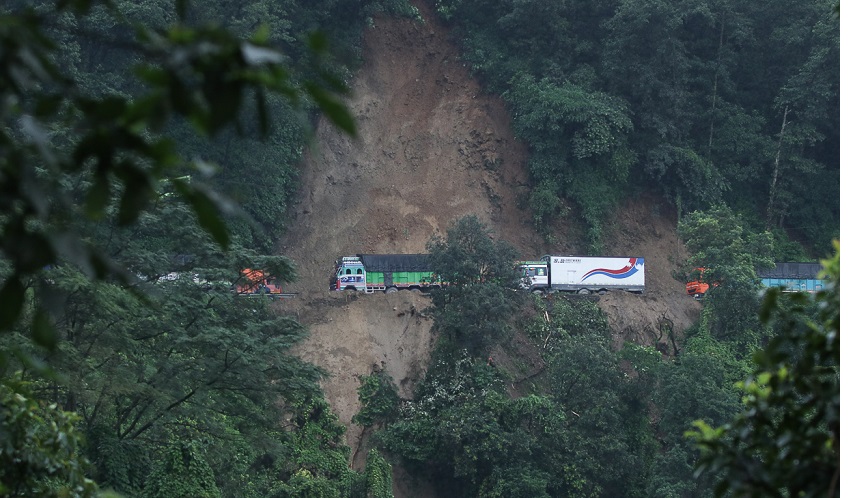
x=697 y=287
x=584 y=274
x=257 y=283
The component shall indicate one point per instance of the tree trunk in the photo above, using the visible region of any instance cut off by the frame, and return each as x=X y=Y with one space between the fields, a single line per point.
x=716 y=84
x=770 y=206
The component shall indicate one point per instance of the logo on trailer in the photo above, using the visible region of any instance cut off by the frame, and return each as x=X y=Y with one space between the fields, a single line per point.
x=566 y=260
x=624 y=272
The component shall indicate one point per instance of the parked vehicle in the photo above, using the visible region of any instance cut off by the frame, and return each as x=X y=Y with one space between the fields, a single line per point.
x=697 y=287
x=584 y=274
x=384 y=272
x=793 y=277
x=578 y=274
x=255 y=282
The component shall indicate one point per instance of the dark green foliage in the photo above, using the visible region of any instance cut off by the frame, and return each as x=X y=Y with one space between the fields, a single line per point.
x=462 y=428
x=193 y=361
x=314 y=461
x=730 y=252
x=378 y=476
x=115 y=157
x=569 y=317
x=785 y=442
x=699 y=384
x=703 y=102
x=379 y=399
x=474 y=310
x=572 y=132
x=581 y=438
x=115 y=287
x=40 y=447
x=468 y=256
x=607 y=434
x=696 y=384
x=181 y=472
x=477 y=319
x=672 y=475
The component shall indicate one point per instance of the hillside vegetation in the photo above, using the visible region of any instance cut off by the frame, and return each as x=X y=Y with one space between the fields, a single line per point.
x=479 y=131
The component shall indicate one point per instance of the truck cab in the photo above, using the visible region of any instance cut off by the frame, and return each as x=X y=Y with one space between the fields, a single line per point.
x=534 y=276
x=350 y=274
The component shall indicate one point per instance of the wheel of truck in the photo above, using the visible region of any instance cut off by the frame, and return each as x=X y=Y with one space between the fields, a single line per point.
x=391 y=290
x=602 y=292
x=584 y=292
x=416 y=290
x=537 y=291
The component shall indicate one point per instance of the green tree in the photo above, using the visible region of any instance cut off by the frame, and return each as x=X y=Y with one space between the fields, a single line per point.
x=378 y=476
x=730 y=253
x=702 y=85
x=40 y=447
x=786 y=441
x=805 y=103
x=574 y=134
x=578 y=434
x=112 y=241
x=462 y=429
x=191 y=361
x=115 y=154
x=473 y=310
x=606 y=434
x=379 y=399
x=181 y=472
x=698 y=383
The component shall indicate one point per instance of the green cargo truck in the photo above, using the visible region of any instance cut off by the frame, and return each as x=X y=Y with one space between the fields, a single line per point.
x=384 y=272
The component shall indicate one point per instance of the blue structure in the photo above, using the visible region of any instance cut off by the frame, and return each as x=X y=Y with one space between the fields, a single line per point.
x=794 y=277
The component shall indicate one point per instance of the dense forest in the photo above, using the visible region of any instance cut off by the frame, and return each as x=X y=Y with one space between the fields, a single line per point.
x=708 y=102
x=150 y=152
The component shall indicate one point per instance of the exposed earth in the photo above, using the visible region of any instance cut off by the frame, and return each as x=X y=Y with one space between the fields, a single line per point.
x=433 y=147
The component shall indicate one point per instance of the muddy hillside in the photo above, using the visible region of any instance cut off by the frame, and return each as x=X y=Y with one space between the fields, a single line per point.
x=431 y=148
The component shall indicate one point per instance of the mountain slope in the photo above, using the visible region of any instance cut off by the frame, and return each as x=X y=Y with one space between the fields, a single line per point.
x=432 y=148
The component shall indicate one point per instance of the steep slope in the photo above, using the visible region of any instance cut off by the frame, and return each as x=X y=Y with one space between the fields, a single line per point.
x=431 y=148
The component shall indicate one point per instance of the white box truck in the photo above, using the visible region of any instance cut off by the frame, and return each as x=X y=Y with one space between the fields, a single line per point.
x=585 y=274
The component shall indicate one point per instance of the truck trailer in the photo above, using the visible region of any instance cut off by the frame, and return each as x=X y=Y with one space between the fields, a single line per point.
x=584 y=274
x=384 y=272
x=793 y=277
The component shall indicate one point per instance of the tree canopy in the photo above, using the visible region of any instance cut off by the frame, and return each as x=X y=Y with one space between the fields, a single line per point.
x=786 y=441
x=702 y=102
x=118 y=325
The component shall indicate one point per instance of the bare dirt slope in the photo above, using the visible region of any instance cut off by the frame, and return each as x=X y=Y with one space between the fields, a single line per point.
x=431 y=148
x=644 y=227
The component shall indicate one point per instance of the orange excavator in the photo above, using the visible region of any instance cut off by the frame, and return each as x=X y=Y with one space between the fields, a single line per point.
x=255 y=282
x=697 y=287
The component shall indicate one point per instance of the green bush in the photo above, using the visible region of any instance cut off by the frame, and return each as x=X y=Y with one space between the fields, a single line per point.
x=379 y=399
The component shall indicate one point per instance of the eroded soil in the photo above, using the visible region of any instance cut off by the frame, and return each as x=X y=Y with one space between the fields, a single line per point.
x=432 y=147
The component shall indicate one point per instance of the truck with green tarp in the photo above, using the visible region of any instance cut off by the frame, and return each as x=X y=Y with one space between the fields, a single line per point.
x=384 y=272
